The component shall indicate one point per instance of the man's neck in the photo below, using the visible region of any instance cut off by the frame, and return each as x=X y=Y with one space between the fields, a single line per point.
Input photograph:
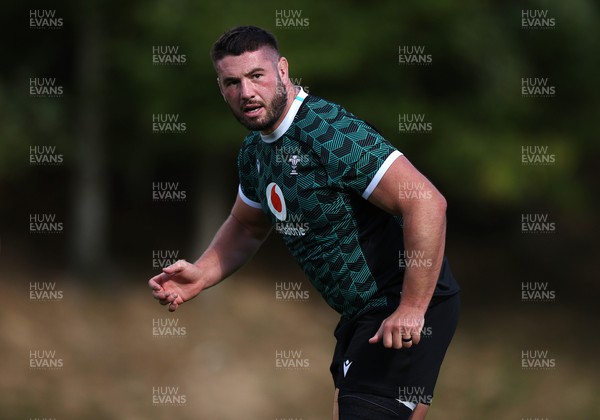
x=292 y=91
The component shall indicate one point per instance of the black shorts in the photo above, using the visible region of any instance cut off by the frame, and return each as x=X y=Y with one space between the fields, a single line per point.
x=409 y=374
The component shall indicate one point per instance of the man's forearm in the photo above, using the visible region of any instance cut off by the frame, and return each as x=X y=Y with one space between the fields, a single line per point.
x=424 y=241
x=233 y=245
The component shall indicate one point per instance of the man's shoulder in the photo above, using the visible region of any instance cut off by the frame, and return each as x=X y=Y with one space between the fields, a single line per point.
x=247 y=150
x=320 y=116
x=315 y=106
x=250 y=140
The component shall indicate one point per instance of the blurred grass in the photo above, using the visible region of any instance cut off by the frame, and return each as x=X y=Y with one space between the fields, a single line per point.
x=225 y=364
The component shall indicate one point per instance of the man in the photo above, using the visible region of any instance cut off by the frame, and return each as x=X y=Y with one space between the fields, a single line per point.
x=367 y=228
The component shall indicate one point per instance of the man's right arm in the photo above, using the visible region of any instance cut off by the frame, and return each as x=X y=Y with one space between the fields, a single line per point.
x=234 y=244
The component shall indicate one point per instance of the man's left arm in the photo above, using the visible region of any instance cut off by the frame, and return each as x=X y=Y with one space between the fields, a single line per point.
x=404 y=191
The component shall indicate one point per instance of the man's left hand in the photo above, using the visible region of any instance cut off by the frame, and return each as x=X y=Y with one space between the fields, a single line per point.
x=401 y=329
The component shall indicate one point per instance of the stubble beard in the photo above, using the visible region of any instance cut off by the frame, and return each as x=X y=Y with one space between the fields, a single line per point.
x=274 y=110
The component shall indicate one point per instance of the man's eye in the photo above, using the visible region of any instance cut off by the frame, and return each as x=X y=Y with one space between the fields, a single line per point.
x=257 y=76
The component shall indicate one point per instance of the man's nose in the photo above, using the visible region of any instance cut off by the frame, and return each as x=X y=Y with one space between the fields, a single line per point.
x=247 y=89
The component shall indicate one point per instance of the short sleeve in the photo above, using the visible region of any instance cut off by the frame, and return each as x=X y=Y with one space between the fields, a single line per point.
x=355 y=155
x=247 y=172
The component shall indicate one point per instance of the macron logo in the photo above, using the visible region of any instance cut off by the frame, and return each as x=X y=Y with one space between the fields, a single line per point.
x=347 y=364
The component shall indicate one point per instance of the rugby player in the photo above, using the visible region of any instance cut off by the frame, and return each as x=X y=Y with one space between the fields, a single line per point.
x=367 y=228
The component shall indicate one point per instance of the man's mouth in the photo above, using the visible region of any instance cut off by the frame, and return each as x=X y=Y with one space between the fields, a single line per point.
x=252 y=110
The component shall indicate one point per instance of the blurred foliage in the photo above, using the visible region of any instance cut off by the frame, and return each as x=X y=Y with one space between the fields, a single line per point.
x=349 y=54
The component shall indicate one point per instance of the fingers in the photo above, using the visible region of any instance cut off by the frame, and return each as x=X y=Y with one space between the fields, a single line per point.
x=176 y=267
x=406 y=341
x=156 y=281
x=398 y=340
x=397 y=334
x=171 y=299
x=164 y=296
x=173 y=306
x=416 y=337
x=155 y=284
x=377 y=336
x=175 y=303
x=410 y=337
x=384 y=332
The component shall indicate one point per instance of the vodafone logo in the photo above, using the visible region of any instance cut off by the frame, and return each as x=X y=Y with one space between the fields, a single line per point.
x=276 y=201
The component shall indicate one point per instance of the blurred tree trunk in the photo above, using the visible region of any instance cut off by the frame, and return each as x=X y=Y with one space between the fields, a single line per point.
x=90 y=198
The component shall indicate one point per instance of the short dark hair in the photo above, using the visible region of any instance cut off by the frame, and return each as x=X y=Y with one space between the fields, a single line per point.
x=241 y=39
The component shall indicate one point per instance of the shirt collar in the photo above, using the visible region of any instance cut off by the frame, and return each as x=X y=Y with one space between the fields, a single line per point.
x=287 y=121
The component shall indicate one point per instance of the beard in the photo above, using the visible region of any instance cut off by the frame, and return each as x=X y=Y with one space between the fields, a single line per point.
x=274 y=110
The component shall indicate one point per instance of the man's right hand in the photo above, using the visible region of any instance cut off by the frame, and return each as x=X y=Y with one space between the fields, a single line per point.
x=238 y=238
x=177 y=283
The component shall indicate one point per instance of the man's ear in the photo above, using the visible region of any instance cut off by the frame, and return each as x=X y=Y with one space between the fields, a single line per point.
x=221 y=89
x=282 y=68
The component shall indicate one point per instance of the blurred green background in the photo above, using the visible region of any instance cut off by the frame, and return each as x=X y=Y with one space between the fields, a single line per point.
x=102 y=57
